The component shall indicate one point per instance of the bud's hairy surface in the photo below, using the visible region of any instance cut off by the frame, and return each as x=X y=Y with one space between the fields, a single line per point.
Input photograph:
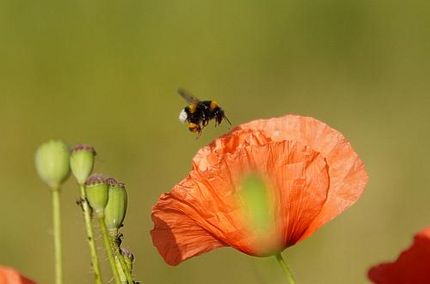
x=82 y=162
x=52 y=162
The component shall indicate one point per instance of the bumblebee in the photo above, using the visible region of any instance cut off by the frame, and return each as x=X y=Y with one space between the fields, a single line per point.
x=198 y=113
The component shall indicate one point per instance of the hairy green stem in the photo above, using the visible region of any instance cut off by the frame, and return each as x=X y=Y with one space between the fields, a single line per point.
x=57 y=235
x=124 y=265
x=109 y=249
x=90 y=236
x=121 y=272
x=285 y=268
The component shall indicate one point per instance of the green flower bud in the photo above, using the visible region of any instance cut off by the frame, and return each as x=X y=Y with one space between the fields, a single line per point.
x=97 y=193
x=52 y=162
x=82 y=162
x=116 y=207
x=128 y=257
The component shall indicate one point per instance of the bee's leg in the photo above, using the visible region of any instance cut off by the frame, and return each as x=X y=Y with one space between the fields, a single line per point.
x=217 y=121
x=199 y=133
x=219 y=117
x=193 y=127
x=226 y=118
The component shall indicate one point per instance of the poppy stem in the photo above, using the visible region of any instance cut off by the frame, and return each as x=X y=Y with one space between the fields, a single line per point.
x=57 y=235
x=285 y=268
x=90 y=236
x=109 y=250
x=120 y=259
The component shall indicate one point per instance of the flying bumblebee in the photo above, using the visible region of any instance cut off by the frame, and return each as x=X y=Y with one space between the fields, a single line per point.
x=198 y=113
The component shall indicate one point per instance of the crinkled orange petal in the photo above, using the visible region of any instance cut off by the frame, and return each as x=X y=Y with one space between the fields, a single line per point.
x=412 y=266
x=183 y=240
x=10 y=276
x=311 y=172
x=348 y=176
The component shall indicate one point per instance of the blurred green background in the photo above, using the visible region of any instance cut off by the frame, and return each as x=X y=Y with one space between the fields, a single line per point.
x=106 y=72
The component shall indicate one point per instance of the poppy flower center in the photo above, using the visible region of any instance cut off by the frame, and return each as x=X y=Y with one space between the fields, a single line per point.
x=256 y=205
x=276 y=190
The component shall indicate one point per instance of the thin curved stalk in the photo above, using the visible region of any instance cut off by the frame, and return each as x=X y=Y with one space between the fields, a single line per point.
x=109 y=249
x=56 y=213
x=90 y=236
x=287 y=272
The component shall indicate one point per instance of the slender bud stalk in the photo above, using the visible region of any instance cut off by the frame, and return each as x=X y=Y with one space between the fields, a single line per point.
x=122 y=275
x=52 y=165
x=90 y=236
x=81 y=164
x=109 y=249
x=129 y=258
x=287 y=272
x=123 y=264
x=57 y=235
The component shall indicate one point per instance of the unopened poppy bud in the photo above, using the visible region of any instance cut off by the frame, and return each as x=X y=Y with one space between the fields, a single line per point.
x=128 y=257
x=82 y=162
x=117 y=205
x=97 y=193
x=52 y=162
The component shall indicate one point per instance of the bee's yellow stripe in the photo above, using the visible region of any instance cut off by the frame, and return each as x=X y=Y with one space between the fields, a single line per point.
x=213 y=105
x=192 y=108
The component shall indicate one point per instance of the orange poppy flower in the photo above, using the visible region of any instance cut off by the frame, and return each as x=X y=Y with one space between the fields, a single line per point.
x=412 y=266
x=10 y=276
x=260 y=188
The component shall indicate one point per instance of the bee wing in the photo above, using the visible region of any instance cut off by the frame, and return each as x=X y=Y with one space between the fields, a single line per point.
x=187 y=96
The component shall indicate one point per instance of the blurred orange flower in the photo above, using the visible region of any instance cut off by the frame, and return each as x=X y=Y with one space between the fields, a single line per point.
x=412 y=266
x=260 y=188
x=10 y=276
